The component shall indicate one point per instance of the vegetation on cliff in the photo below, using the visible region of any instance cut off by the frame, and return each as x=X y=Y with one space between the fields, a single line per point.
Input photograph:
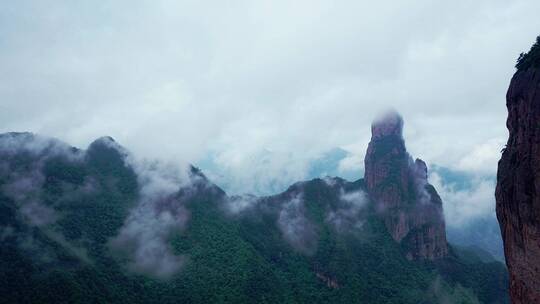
x=531 y=58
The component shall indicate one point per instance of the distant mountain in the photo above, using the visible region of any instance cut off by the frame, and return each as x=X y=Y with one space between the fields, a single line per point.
x=100 y=226
x=482 y=231
x=330 y=164
x=272 y=172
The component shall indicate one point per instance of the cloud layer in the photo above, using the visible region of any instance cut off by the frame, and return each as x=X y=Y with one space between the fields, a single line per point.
x=181 y=79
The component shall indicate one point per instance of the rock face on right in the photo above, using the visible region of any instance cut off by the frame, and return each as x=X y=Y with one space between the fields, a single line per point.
x=518 y=182
x=398 y=185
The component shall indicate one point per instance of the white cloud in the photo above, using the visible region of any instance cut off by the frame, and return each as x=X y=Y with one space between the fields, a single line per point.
x=241 y=170
x=238 y=203
x=295 y=227
x=461 y=206
x=159 y=213
x=483 y=158
x=348 y=214
x=352 y=162
x=178 y=79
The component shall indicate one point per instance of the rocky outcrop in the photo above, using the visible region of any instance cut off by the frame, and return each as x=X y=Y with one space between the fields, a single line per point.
x=518 y=186
x=409 y=206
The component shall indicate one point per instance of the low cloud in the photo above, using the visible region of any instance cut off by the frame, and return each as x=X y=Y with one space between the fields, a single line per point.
x=144 y=237
x=351 y=163
x=463 y=205
x=238 y=203
x=257 y=171
x=348 y=214
x=36 y=145
x=483 y=157
x=297 y=230
x=158 y=178
x=24 y=185
x=25 y=189
x=145 y=234
x=160 y=212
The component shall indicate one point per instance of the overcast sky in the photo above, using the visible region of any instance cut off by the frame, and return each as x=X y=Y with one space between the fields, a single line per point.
x=181 y=79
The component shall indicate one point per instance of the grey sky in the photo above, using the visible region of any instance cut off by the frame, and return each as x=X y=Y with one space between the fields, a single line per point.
x=180 y=79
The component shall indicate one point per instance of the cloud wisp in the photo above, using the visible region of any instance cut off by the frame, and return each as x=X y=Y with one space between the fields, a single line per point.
x=295 y=227
x=24 y=184
x=160 y=212
x=348 y=215
x=464 y=205
x=237 y=204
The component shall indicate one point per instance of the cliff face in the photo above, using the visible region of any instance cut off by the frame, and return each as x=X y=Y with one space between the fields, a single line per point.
x=518 y=187
x=410 y=207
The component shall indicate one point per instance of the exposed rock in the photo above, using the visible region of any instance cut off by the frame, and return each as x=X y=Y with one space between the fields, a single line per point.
x=518 y=187
x=410 y=207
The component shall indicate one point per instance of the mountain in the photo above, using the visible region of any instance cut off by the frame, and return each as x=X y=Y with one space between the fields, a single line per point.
x=270 y=172
x=98 y=225
x=518 y=177
x=409 y=205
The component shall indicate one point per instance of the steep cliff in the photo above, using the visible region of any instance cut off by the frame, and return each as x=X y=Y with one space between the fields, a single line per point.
x=409 y=205
x=518 y=181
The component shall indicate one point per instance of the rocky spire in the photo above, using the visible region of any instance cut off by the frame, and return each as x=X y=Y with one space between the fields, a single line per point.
x=389 y=124
x=518 y=181
x=409 y=206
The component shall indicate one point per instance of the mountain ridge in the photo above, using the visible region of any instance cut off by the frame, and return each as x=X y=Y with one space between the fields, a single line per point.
x=143 y=233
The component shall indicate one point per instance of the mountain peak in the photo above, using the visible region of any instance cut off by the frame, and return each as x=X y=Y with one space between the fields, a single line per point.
x=388 y=124
x=106 y=153
x=420 y=169
x=398 y=187
x=104 y=140
x=106 y=144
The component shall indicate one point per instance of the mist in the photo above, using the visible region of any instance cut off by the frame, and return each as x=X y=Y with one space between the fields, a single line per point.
x=348 y=216
x=295 y=227
x=159 y=213
x=235 y=83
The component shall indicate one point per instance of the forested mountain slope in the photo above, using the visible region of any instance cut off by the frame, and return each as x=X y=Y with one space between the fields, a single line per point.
x=96 y=225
